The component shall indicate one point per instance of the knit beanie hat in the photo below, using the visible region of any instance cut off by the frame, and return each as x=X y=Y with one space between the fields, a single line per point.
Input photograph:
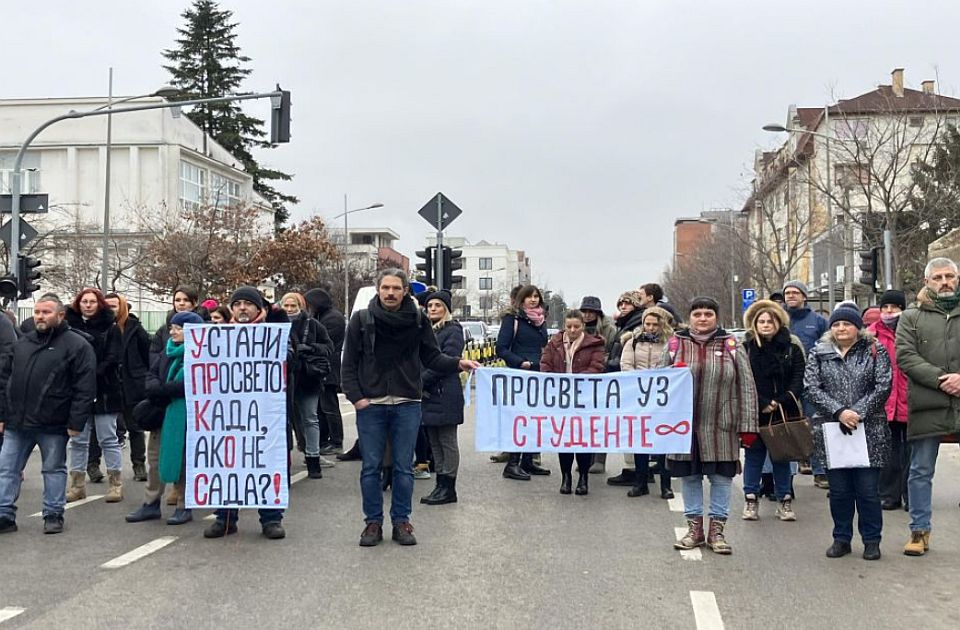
x=630 y=297
x=249 y=294
x=442 y=295
x=844 y=314
x=185 y=317
x=796 y=284
x=894 y=296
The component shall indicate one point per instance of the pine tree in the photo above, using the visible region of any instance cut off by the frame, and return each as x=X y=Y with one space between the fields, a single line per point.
x=207 y=63
x=935 y=197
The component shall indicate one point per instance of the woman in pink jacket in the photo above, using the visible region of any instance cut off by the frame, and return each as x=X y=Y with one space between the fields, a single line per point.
x=893 y=478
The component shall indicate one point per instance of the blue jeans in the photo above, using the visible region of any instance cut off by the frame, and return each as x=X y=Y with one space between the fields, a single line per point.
x=855 y=489
x=17 y=446
x=375 y=425
x=719 y=496
x=923 y=463
x=753 y=459
x=106 y=424
x=307 y=403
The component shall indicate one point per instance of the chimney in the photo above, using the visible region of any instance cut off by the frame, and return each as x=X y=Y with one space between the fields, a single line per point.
x=927 y=87
x=897 y=76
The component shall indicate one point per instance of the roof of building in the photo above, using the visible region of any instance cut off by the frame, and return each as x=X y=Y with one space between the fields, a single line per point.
x=883 y=100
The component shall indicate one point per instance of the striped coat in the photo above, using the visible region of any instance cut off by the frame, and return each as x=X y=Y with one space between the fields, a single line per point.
x=725 y=397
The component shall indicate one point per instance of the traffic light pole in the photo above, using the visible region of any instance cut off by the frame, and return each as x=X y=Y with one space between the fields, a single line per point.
x=15 y=175
x=888 y=259
x=438 y=253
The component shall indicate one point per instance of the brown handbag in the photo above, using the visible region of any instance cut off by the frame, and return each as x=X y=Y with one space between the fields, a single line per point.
x=789 y=440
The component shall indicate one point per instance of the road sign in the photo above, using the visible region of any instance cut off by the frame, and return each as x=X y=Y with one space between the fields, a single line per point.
x=28 y=203
x=27 y=233
x=448 y=212
x=749 y=296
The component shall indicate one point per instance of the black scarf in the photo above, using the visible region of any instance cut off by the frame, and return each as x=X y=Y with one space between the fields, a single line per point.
x=398 y=332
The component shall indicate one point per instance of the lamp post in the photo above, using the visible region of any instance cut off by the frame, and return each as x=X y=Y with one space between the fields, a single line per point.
x=167 y=92
x=831 y=270
x=346 y=244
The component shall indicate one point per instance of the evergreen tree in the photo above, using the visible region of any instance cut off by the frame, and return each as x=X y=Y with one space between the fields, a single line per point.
x=935 y=197
x=207 y=63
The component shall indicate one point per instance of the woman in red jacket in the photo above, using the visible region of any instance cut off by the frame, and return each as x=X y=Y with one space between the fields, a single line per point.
x=574 y=351
x=893 y=478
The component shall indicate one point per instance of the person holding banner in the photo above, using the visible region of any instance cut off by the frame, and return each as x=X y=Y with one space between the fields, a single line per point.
x=520 y=342
x=387 y=345
x=574 y=351
x=725 y=409
x=848 y=379
x=642 y=348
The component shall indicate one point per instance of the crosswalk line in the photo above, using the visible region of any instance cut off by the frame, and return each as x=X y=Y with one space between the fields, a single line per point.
x=140 y=552
x=70 y=506
x=687 y=554
x=705 y=610
x=10 y=612
x=676 y=503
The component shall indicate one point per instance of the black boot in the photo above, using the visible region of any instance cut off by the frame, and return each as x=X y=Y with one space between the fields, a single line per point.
x=529 y=467
x=313 y=468
x=447 y=486
x=386 y=478
x=582 y=488
x=639 y=490
x=512 y=469
x=666 y=490
x=427 y=500
x=351 y=455
x=566 y=481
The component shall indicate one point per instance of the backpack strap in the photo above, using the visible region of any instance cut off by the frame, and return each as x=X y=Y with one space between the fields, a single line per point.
x=367 y=330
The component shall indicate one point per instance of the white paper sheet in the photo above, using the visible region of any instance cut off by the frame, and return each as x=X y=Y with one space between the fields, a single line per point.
x=845 y=451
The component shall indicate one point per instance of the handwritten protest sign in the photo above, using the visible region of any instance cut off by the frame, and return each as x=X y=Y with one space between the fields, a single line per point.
x=649 y=411
x=236 y=384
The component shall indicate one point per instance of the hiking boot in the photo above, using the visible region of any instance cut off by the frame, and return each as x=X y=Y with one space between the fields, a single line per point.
x=139 y=472
x=751 y=508
x=838 y=549
x=785 y=511
x=403 y=534
x=716 y=540
x=372 y=535
x=219 y=529
x=273 y=531
x=626 y=477
x=7 y=525
x=93 y=470
x=53 y=524
x=821 y=482
x=919 y=543
x=871 y=551
x=115 y=491
x=78 y=486
x=146 y=512
x=694 y=536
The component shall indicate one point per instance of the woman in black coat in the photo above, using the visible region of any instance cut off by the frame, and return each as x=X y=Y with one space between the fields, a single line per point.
x=442 y=406
x=523 y=334
x=777 y=362
x=320 y=304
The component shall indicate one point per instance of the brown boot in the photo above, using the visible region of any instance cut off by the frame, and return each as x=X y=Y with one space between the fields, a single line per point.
x=694 y=536
x=115 y=491
x=78 y=486
x=172 y=496
x=715 y=540
x=919 y=543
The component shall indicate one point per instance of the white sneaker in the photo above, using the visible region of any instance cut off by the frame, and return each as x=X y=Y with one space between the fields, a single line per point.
x=326 y=463
x=751 y=508
x=785 y=511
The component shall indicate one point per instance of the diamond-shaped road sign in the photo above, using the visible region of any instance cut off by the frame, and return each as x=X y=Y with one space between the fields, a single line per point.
x=448 y=212
x=27 y=233
x=28 y=203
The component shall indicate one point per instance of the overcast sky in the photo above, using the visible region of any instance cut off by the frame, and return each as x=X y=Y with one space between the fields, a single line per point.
x=577 y=130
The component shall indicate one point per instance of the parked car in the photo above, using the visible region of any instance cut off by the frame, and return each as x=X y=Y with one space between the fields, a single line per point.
x=492 y=331
x=477 y=329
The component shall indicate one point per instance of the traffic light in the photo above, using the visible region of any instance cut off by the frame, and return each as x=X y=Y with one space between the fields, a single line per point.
x=27 y=275
x=452 y=261
x=8 y=287
x=870 y=267
x=427 y=265
x=280 y=118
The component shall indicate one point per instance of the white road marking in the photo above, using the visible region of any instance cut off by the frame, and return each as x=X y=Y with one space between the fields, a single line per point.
x=140 y=552
x=687 y=554
x=676 y=503
x=300 y=476
x=10 y=612
x=705 y=610
x=68 y=506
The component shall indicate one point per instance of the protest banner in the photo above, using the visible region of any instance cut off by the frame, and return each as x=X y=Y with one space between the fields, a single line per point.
x=648 y=411
x=235 y=378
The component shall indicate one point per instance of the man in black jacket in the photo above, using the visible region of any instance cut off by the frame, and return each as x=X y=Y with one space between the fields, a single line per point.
x=321 y=307
x=386 y=347
x=49 y=383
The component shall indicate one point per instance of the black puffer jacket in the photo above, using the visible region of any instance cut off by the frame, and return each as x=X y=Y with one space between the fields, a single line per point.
x=107 y=349
x=49 y=382
x=443 y=393
x=321 y=304
x=308 y=338
x=624 y=325
x=777 y=367
x=134 y=359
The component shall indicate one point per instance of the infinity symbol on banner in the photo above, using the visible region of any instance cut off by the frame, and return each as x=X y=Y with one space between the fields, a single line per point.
x=680 y=428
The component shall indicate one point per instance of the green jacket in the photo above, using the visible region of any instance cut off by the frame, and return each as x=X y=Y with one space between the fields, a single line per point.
x=928 y=346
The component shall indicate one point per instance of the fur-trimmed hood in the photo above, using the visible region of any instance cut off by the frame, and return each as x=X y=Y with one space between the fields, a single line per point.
x=666 y=326
x=753 y=312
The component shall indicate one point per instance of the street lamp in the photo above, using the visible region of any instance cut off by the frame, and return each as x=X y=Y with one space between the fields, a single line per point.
x=831 y=270
x=165 y=91
x=346 y=244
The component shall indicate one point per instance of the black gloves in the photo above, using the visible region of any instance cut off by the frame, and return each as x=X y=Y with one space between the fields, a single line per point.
x=845 y=429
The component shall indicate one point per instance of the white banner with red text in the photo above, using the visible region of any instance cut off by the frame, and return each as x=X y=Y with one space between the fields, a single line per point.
x=235 y=377
x=648 y=411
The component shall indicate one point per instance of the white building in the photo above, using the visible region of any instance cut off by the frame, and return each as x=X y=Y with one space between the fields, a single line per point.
x=490 y=271
x=371 y=248
x=160 y=161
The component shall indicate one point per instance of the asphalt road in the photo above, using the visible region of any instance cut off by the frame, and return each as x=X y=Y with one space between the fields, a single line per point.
x=510 y=554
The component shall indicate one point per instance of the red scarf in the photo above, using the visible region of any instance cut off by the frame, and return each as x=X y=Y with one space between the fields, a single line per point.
x=535 y=315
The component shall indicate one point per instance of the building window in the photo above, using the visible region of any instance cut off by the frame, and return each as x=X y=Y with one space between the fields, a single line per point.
x=193 y=185
x=486 y=264
x=915 y=121
x=224 y=192
x=486 y=302
x=466 y=310
x=486 y=284
x=29 y=172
